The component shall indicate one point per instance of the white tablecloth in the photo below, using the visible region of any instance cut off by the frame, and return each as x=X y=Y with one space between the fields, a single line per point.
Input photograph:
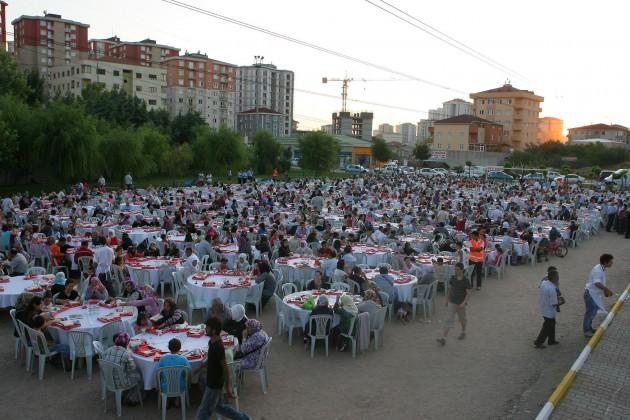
x=521 y=247
x=12 y=290
x=155 y=267
x=205 y=295
x=137 y=235
x=418 y=242
x=403 y=290
x=298 y=270
x=374 y=254
x=293 y=310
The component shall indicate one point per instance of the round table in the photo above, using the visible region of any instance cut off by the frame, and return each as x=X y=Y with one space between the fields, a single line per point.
x=293 y=303
x=12 y=287
x=298 y=269
x=229 y=251
x=206 y=285
x=418 y=242
x=425 y=262
x=403 y=283
x=157 y=267
x=194 y=348
x=87 y=315
x=137 y=235
x=374 y=254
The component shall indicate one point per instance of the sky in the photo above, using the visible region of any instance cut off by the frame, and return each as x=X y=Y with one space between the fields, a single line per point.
x=574 y=54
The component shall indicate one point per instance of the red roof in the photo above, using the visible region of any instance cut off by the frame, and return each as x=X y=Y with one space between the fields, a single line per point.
x=506 y=88
x=465 y=119
x=600 y=127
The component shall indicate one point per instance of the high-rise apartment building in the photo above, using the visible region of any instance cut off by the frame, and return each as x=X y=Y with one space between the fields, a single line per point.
x=357 y=125
x=385 y=128
x=264 y=86
x=3 y=26
x=407 y=132
x=516 y=109
x=550 y=129
x=146 y=53
x=43 y=42
x=449 y=109
x=196 y=83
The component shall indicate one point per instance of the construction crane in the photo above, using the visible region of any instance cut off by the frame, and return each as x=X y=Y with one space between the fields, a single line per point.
x=344 y=86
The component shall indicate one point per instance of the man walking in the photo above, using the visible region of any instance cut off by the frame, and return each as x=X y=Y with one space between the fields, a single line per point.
x=548 y=305
x=477 y=256
x=595 y=290
x=456 y=301
x=218 y=377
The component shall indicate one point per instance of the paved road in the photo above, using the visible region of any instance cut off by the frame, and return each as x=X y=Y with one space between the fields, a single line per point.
x=494 y=374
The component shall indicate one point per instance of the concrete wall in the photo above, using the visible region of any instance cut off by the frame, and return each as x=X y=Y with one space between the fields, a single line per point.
x=459 y=158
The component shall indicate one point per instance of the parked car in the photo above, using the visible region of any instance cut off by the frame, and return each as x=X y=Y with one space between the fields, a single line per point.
x=536 y=176
x=604 y=174
x=552 y=175
x=441 y=171
x=355 y=169
x=619 y=177
x=570 y=179
x=499 y=176
x=428 y=172
x=295 y=162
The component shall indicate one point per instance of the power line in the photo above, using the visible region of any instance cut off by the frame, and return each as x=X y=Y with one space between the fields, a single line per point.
x=447 y=39
x=307 y=44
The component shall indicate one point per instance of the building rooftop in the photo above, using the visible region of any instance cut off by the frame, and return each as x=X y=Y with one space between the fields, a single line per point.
x=601 y=127
x=465 y=119
x=260 y=110
x=506 y=88
x=49 y=16
x=344 y=141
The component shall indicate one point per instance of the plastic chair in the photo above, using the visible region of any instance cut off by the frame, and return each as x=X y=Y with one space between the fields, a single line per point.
x=254 y=296
x=377 y=325
x=41 y=350
x=165 y=278
x=18 y=330
x=338 y=277
x=192 y=304
x=355 y=289
x=279 y=313
x=423 y=295
x=386 y=302
x=340 y=286
x=108 y=331
x=81 y=347
x=352 y=337
x=291 y=321
x=99 y=349
x=238 y=295
x=178 y=284
x=40 y=271
x=235 y=372
x=173 y=376
x=261 y=366
x=111 y=374
x=288 y=289
x=205 y=263
x=533 y=258
x=26 y=345
x=142 y=277
x=319 y=329
x=84 y=265
x=214 y=266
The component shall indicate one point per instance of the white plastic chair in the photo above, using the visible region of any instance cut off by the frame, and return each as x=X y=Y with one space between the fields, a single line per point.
x=99 y=349
x=108 y=331
x=377 y=325
x=142 y=277
x=386 y=302
x=340 y=286
x=41 y=350
x=214 y=266
x=288 y=289
x=319 y=329
x=26 y=345
x=254 y=296
x=279 y=313
x=109 y=372
x=40 y=271
x=81 y=347
x=355 y=289
x=533 y=258
x=238 y=295
x=173 y=376
x=261 y=366
x=352 y=336
x=165 y=278
x=192 y=304
x=18 y=330
x=204 y=263
x=423 y=295
x=291 y=321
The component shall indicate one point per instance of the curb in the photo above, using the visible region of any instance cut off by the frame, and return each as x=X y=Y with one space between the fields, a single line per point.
x=568 y=379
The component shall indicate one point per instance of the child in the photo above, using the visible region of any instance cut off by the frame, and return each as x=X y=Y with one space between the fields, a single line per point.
x=173 y=359
x=142 y=322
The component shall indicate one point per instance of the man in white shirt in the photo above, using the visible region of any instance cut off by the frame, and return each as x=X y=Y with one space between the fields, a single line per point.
x=103 y=258
x=548 y=305
x=595 y=291
x=7 y=205
x=192 y=261
x=128 y=181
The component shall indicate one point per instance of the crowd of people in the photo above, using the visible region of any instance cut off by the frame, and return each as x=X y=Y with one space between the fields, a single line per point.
x=475 y=222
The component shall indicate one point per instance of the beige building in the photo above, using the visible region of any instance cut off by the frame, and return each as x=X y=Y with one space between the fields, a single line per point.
x=515 y=109
x=467 y=133
x=550 y=129
x=146 y=83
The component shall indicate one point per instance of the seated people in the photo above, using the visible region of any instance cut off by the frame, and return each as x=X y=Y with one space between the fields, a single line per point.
x=254 y=339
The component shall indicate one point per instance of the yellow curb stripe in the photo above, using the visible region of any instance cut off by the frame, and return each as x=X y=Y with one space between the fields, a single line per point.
x=562 y=388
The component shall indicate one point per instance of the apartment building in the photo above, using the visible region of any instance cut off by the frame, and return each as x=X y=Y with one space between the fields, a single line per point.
x=43 y=42
x=263 y=85
x=3 y=26
x=146 y=83
x=607 y=134
x=550 y=129
x=516 y=109
x=196 y=83
x=357 y=125
x=467 y=133
x=407 y=133
x=452 y=108
x=146 y=53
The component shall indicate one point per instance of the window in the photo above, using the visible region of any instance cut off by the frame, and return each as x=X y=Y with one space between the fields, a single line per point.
x=439 y=145
x=461 y=147
x=100 y=71
x=181 y=100
x=138 y=88
x=116 y=72
x=152 y=102
x=138 y=75
x=115 y=86
x=153 y=77
x=448 y=146
x=152 y=89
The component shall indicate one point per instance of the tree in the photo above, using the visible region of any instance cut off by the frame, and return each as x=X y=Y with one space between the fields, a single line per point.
x=37 y=88
x=12 y=80
x=114 y=106
x=218 y=150
x=179 y=159
x=380 y=150
x=565 y=169
x=156 y=148
x=184 y=126
x=284 y=164
x=265 y=152
x=469 y=166
x=507 y=165
x=595 y=170
x=320 y=152
x=421 y=151
x=124 y=152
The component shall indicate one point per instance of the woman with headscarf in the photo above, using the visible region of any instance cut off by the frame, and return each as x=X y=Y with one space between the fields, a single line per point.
x=149 y=302
x=120 y=355
x=303 y=249
x=95 y=290
x=242 y=264
x=236 y=325
x=60 y=283
x=130 y=291
x=255 y=339
x=347 y=310
x=169 y=316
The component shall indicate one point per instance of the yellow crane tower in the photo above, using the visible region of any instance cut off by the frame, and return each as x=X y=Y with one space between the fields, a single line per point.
x=344 y=86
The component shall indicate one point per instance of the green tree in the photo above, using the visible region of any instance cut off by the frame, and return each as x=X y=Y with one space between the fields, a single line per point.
x=218 y=150
x=124 y=152
x=507 y=165
x=421 y=151
x=114 y=106
x=156 y=148
x=37 y=88
x=469 y=166
x=565 y=169
x=380 y=150
x=180 y=158
x=284 y=164
x=595 y=170
x=12 y=80
x=67 y=145
x=9 y=149
x=265 y=152
x=320 y=152
x=26 y=123
x=184 y=127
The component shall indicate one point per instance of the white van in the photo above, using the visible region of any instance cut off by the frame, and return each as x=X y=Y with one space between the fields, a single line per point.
x=620 y=177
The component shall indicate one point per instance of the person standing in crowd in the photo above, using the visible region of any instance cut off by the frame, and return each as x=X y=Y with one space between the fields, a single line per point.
x=548 y=304
x=595 y=290
x=477 y=256
x=217 y=378
x=128 y=181
x=456 y=301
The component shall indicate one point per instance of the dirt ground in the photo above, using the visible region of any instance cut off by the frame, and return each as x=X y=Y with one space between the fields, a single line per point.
x=494 y=374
